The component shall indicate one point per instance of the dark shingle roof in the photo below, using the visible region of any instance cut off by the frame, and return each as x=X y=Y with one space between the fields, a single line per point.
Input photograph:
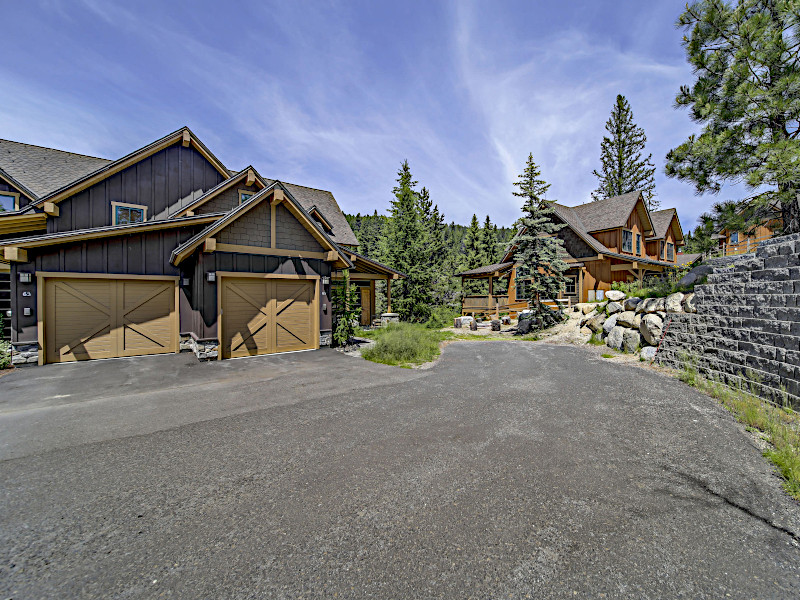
x=661 y=220
x=607 y=213
x=44 y=170
x=487 y=269
x=341 y=233
x=687 y=259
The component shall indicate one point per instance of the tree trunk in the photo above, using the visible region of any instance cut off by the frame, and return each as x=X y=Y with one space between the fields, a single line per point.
x=790 y=213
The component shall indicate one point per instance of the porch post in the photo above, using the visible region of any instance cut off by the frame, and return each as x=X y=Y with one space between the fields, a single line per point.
x=491 y=292
x=388 y=294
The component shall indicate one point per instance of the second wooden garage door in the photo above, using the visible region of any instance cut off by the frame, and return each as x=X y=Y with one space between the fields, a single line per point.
x=107 y=318
x=264 y=316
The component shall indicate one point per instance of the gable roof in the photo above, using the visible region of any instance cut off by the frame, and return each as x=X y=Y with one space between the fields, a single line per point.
x=178 y=209
x=662 y=219
x=501 y=267
x=325 y=203
x=183 y=135
x=362 y=264
x=185 y=249
x=613 y=212
x=40 y=170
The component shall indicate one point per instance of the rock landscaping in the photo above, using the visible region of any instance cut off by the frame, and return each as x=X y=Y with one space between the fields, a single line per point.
x=632 y=324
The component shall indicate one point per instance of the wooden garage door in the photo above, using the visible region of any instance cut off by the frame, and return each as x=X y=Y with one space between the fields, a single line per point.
x=264 y=316
x=107 y=318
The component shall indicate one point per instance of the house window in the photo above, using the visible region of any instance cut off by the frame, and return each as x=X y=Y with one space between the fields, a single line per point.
x=661 y=250
x=125 y=214
x=638 y=243
x=627 y=240
x=671 y=252
x=245 y=195
x=570 y=286
x=735 y=237
x=9 y=201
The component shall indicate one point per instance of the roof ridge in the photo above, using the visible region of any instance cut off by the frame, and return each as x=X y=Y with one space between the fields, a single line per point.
x=56 y=150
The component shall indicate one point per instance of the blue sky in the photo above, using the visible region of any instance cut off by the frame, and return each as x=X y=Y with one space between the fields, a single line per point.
x=335 y=95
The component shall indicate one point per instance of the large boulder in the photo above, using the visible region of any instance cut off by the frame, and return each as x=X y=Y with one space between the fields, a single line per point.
x=631 y=303
x=596 y=324
x=651 y=329
x=587 y=308
x=673 y=302
x=660 y=305
x=615 y=338
x=648 y=353
x=688 y=303
x=524 y=326
x=626 y=318
x=615 y=295
x=647 y=306
x=631 y=340
x=586 y=318
x=613 y=307
x=695 y=275
x=495 y=324
x=637 y=320
x=610 y=323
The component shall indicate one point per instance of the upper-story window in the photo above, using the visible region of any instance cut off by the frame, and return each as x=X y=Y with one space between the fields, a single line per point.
x=670 y=252
x=627 y=240
x=735 y=237
x=9 y=201
x=125 y=214
x=244 y=195
x=638 y=243
x=661 y=250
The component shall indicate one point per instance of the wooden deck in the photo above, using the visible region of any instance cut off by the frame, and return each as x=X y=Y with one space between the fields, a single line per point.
x=484 y=305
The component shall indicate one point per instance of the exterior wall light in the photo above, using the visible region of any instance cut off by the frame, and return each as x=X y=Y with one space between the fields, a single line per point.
x=326 y=280
x=185 y=281
x=24 y=277
x=211 y=276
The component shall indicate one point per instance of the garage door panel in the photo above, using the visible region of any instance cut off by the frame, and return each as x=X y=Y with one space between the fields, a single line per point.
x=104 y=318
x=263 y=316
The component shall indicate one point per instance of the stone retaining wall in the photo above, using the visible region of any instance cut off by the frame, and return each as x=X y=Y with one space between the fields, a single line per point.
x=747 y=324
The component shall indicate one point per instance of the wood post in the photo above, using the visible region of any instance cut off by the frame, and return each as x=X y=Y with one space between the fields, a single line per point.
x=388 y=295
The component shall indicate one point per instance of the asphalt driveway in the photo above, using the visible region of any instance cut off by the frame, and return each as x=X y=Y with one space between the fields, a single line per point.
x=508 y=470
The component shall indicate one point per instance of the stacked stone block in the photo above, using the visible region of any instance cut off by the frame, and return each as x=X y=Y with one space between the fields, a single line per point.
x=747 y=326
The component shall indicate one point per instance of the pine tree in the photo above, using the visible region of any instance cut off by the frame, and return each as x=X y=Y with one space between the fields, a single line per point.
x=473 y=258
x=624 y=169
x=539 y=250
x=747 y=97
x=406 y=251
x=489 y=241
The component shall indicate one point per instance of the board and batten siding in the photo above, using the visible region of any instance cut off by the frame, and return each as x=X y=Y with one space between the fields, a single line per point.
x=133 y=254
x=157 y=182
x=7 y=187
x=199 y=303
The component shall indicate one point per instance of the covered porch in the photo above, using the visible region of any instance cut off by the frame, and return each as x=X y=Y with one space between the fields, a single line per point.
x=364 y=275
x=491 y=303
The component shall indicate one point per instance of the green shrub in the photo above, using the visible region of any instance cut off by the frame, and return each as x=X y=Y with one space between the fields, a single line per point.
x=404 y=344
x=441 y=316
x=596 y=340
x=5 y=354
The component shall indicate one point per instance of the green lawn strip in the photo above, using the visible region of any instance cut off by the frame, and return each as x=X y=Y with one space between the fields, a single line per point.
x=779 y=426
x=404 y=344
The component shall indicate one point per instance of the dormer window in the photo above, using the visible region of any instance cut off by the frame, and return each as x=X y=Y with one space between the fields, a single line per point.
x=9 y=201
x=125 y=214
x=627 y=240
x=735 y=237
x=245 y=195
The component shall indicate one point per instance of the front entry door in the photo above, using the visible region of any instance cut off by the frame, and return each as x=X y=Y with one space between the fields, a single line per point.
x=365 y=307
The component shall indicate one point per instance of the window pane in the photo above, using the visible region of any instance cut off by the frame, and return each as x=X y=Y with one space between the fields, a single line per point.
x=6 y=201
x=136 y=215
x=122 y=215
x=627 y=240
x=244 y=197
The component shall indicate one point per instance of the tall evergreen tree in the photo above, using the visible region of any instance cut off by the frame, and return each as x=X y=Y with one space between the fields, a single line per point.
x=406 y=251
x=538 y=250
x=747 y=97
x=623 y=168
x=489 y=241
x=473 y=257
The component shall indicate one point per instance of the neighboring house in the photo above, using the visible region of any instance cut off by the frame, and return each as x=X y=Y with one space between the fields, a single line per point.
x=163 y=250
x=730 y=242
x=612 y=240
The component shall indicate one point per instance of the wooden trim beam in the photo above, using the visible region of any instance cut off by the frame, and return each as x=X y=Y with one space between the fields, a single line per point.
x=626 y=267
x=364 y=276
x=15 y=254
x=332 y=256
x=251 y=177
x=186 y=139
x=210 y=244
x=50 y=208
x=239 y=249
x=60 y=275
